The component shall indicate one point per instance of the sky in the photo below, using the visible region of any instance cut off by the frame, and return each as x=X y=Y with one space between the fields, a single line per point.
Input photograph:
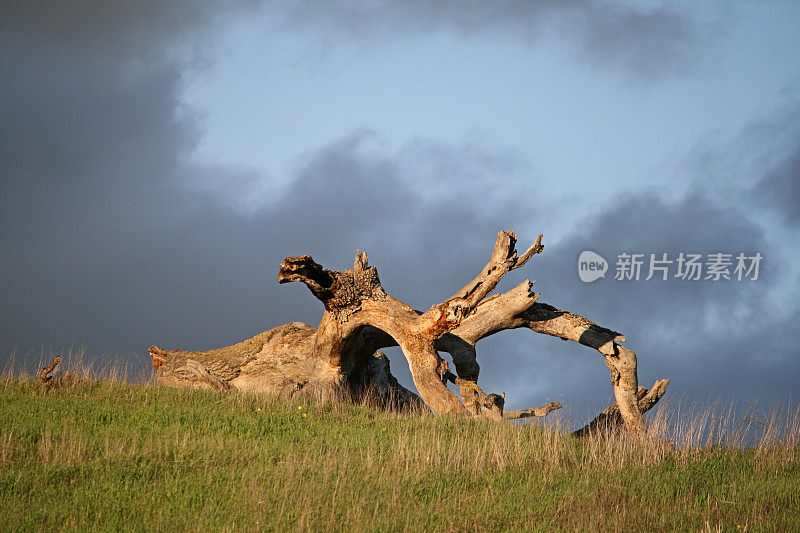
x=159 y=159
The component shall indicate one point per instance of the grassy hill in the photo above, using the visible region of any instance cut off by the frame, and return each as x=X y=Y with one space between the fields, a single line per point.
x=109 y=455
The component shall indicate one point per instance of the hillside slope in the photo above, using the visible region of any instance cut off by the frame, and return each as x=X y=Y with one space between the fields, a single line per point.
x=101 y=455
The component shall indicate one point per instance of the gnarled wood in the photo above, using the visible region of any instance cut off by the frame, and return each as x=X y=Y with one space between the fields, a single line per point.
x=533 y=411
x=44 y=377
x=611 y=417
x=341 y=356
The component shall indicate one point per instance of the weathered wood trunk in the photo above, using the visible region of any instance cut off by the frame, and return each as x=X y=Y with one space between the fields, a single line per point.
x=341 y=358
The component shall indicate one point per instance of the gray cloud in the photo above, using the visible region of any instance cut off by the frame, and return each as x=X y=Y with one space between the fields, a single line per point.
x=104 y=244
x=108 y=248
x=759 y=168
x=91 y=139
x=723 y=339
x=779 y=190
x=90 y=30
x=650 y=41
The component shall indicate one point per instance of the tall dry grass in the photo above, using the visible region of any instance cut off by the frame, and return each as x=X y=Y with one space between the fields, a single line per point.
x=76 y=362
x=111 y=452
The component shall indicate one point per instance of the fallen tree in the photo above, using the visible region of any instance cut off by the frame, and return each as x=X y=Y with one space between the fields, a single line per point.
x=341 y=357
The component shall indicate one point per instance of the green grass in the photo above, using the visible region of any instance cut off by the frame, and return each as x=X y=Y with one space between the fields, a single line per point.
x=108 y=455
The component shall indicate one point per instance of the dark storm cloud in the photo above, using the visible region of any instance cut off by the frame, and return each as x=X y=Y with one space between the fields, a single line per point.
x=724 y=339
x=713 y=338
x=647 y=224
x=735 y=340
x=104 y=245
x=780 y=190
x=759 y=169
x=97 y=32
x=89 y=108
x=647 y=40
x=90 y=141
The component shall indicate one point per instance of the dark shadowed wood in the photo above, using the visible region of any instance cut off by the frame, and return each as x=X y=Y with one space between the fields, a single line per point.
x=44 y=377
x=611 y=417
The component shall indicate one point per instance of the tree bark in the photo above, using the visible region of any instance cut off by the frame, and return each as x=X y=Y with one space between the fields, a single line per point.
x=610 y=419
x=341 y=357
